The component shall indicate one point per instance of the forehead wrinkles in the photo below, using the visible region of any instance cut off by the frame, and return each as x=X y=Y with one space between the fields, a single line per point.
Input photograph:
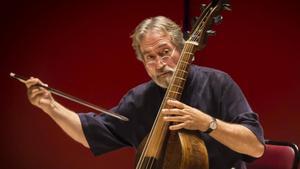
x=153 y=39
x=157 y=45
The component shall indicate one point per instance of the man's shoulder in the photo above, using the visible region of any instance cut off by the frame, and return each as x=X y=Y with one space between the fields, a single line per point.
x=207 y=72
x=143 y=89
x=144 y=86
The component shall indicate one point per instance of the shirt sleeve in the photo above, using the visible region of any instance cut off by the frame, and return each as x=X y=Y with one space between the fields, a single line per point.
x=105 y=133
x=237 y=110
x=100 y=137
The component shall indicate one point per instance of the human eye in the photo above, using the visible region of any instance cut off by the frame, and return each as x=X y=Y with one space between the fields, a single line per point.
x=164 y=52
x=149 y=58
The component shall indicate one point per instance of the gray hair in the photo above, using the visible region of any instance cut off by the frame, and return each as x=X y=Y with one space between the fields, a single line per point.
x=160 y=23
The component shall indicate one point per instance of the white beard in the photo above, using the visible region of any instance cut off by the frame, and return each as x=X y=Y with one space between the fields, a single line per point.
x=164 y=81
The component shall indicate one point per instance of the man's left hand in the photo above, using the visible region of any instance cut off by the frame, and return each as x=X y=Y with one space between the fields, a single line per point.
x=185 y=116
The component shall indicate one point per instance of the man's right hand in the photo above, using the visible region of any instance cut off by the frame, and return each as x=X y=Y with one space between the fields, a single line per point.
x=68 y=120
x=39 y=96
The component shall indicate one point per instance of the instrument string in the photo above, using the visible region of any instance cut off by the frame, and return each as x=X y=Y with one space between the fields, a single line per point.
x=150 y=141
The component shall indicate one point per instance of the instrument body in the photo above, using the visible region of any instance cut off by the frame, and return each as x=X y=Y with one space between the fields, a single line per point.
x=183 y=149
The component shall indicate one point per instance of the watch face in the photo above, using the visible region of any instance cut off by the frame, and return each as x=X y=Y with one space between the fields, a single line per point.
x=213 y=125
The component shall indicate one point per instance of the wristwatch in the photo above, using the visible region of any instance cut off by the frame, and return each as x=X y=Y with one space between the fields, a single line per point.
x=212 y=126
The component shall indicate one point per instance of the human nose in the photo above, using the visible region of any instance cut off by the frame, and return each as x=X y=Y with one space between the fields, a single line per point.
x=160 y=62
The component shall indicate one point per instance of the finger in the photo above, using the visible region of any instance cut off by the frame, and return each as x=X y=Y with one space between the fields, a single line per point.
x=33 y=89
x=36 y=99
x=172 y=112
x=176 y=104
x=177 y=126
x=41 y=98
x=37 y=92
x=36 y=96
x=176 y=118
x=176 y=112
x=32 y=81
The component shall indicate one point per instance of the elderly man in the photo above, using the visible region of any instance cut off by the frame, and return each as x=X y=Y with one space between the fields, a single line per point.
x=212 y=103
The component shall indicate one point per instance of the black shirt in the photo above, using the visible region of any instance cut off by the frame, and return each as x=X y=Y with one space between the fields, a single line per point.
x=209 y=90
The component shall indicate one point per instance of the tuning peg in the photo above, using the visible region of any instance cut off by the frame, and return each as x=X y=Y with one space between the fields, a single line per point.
x=194 y=21
x=186 y=35
x=211 y=32
x=196 y=18
x=202 y=7
x=217 y=19
x=227 y=7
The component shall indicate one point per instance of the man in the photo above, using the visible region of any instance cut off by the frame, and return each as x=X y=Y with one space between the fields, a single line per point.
x=211 y=103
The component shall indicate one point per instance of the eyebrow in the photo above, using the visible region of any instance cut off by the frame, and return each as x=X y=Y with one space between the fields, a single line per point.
x=159 y=46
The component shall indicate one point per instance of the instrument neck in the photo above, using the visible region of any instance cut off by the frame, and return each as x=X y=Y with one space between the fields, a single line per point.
x=160 y=127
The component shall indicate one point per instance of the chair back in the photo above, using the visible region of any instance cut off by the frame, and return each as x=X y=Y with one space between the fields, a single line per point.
x=278 y=155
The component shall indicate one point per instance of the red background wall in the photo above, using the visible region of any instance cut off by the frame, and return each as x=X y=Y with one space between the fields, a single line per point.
x=84 y=49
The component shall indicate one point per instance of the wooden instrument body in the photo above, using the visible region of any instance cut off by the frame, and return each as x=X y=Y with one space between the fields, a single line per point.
x=183 y=150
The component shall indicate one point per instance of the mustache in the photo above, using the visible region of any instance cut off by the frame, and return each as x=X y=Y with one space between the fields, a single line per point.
x=165 y=70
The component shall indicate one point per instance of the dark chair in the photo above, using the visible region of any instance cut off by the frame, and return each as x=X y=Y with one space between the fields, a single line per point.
x=278 y=155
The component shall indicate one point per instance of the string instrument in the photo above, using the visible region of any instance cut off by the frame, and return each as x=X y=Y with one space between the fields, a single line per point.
x=183 y=149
